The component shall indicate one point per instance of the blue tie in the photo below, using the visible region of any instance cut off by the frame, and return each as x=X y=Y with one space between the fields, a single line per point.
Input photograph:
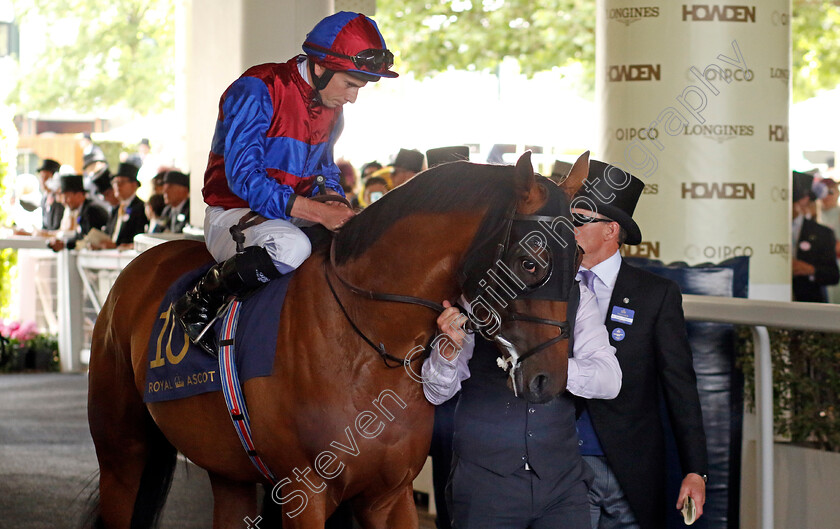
x=588 y=277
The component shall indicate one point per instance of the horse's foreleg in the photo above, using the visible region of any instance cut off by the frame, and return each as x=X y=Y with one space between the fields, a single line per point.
x=396 y=511
x=234 y=503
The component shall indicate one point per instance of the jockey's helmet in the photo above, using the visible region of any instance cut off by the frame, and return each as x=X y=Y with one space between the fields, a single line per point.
x=348 y=42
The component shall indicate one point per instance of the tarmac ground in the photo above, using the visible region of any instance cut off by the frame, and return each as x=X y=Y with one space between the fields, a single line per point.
x=48 y=466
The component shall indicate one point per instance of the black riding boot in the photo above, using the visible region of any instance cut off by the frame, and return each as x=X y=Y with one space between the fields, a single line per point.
x=241 y=274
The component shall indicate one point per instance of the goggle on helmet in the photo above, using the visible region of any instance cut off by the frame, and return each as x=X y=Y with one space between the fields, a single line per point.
x=350 y=42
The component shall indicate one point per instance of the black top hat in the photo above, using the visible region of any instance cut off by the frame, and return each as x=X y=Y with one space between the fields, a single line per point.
x=129 y=171
x=72 y=182
x=49 y=165
x=176 y=177
x=409 y=159
x=92 y=158
x=144 y=141
x=447 y=154
x=560 y=170
x=103 y=181
x=802 y=186
x=615 y=194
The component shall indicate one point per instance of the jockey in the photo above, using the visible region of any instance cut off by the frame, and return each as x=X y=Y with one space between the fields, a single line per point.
x=274 y=139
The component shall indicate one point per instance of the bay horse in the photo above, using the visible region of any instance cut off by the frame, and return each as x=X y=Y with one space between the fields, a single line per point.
x=331 y=403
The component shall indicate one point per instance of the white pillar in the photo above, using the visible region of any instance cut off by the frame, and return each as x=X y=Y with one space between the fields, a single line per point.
x=222 y=39
x=695 y=99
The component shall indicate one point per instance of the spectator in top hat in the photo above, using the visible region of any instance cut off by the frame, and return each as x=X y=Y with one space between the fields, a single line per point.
x=51 y=208
x=560 y=171
x=93 y=164
x=441 y=155
x=622 y=439
x=89 y=148
x=176 y=195
x=103 y=191
x=408 y=163
x=831 y=218
x=813 y=246
x=129 y=217
x=81 y=214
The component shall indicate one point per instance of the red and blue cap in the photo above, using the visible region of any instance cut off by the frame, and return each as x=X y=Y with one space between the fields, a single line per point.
x=350 y=42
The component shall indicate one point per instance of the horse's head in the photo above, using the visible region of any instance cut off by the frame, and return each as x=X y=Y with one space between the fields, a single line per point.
x=520 y=280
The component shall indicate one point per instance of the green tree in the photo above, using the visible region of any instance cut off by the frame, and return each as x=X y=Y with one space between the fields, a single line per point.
x=8 y=256
x=815 y=26
x=433 y=35
x=99 y=54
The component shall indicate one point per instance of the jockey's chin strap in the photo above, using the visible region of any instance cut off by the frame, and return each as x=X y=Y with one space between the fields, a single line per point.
x=375 y=296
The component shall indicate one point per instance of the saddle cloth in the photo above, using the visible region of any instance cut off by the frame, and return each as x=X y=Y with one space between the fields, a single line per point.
x=178 y=369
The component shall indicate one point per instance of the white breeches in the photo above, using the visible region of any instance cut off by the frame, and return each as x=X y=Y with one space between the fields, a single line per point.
x=286 y=243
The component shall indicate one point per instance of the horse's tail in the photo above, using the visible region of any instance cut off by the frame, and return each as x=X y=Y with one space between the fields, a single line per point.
x=161 y=458
x=155 y=483
x=91 y=518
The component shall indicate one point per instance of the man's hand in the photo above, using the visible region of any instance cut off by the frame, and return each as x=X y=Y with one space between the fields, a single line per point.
x=451 y=323
x=56 y=244
x=331 y=215
x=801 y=268
x=694 y=486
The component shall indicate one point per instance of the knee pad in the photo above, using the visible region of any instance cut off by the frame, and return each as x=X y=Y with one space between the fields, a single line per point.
x=255 y=266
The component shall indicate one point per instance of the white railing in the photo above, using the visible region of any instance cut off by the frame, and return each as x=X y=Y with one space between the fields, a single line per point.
x=760 y=315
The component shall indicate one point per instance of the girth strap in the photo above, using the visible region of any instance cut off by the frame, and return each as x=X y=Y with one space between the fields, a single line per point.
x=232 y=389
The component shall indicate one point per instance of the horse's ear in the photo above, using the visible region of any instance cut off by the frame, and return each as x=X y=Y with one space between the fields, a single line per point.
x=577 y=175
x=524 y=175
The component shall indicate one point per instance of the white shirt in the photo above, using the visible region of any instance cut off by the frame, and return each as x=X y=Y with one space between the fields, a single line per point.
x=594 y=372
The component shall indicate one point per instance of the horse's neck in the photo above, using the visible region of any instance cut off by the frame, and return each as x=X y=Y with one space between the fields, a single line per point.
x=419 y=256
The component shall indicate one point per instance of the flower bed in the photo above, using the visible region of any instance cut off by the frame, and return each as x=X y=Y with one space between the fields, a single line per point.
x=23 y=348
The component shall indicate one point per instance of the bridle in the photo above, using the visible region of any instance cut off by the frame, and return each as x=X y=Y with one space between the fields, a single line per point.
x=550 y=280
x=514 y=360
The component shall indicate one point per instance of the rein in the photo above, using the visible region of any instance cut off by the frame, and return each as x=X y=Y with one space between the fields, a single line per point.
x=514 y=359
x=375 y=296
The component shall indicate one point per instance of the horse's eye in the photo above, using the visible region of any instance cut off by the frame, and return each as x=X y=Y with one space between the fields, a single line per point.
x=529 y=266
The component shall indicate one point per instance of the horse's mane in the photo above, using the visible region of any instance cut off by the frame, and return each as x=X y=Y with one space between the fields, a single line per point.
x=456 y=186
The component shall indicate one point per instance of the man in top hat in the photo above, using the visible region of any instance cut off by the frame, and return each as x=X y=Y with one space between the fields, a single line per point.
x=622 y=439
x=89 y=148
x=104 y=191
x=93 y=164
x=439 y=155
x=129 y=217
x=559 y=171
x=176 y=195
x=272 y=152
x=81 y=214
x=51 y=208
x=408 y=163
x=814 y=263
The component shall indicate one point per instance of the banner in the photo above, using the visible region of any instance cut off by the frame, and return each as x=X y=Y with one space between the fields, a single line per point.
x=694 y=100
